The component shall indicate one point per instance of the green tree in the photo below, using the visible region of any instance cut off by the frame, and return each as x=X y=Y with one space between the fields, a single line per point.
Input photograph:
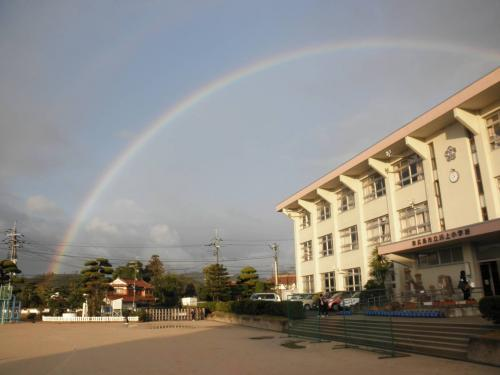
x=190 y=290
x=154 y=269
x=217 y=282
x=168 y=290
x=247 y=279
x=95 y=278
x=132 y=269
x=379 y=268
x=7 y=270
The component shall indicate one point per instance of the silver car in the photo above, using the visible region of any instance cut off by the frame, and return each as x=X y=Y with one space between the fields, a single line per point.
x=305 y=298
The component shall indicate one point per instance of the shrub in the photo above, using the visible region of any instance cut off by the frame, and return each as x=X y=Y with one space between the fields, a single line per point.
x=490 y=308
x=290 y=309
x=143 y=316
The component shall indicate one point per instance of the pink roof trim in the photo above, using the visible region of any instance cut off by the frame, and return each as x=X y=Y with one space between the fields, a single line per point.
x=436 y=112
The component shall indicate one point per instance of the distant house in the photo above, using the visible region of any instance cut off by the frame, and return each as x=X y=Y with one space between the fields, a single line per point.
x=122 y=293
x=286 y=284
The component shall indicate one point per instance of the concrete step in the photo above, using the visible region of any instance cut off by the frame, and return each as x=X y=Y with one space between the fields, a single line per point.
x=446 y=351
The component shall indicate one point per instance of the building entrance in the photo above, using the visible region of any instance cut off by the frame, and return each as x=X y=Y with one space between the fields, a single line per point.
x=490 y=278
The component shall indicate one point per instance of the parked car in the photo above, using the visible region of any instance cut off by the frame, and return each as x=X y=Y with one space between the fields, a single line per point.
x=351 y=300
x=305 y=298
x=342 y=299
x=265 y=297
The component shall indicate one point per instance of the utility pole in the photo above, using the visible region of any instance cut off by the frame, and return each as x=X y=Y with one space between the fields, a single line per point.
x=275 y=247
x=216 y=245
x=15 y=241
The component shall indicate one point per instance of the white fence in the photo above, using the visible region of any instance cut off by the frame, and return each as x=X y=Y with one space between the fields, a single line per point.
x=193 y=313
x=92 y=319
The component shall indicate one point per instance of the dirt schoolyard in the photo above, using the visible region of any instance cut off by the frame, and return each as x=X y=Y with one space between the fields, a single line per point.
x=202 y=347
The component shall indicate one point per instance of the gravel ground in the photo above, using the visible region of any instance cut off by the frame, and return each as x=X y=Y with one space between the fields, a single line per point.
x=203 y=347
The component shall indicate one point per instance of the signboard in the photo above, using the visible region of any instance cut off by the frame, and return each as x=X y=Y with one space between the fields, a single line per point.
x=443 y=236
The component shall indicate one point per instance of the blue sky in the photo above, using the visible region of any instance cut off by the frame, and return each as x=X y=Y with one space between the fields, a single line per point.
x=80 y=80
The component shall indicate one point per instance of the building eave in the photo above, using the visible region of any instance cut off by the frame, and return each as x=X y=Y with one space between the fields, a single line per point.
x=468 y=98
x=448 y=237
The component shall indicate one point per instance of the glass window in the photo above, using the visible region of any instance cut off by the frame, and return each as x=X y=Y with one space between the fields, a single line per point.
x=409 y=170
x=326 y=245
x=352 y=279
x=349 y=238
x=345 y=200
x=324 y=211
x=308 y=283
x=493 y=124
x=305 y=220
x=306 y=251
x=442 y=256
x=329 y=281
x=378 y=230
x=414 y=220
x=373 y=187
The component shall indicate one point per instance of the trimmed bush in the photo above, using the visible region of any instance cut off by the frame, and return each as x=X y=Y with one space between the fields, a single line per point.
x=289 y=309
x=490 y=308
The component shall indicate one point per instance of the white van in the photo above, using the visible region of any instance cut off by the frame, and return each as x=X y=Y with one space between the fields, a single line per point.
x=265 y=297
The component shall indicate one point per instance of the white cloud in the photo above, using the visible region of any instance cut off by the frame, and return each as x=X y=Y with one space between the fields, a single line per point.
x=98 y=225
x=127 y=205
x=38 y=204
x=164 y=235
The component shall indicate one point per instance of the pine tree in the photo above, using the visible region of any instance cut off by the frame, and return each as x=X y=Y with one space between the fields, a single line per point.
x=96 y=281
x=154 y=269
x=247 y=279
x=217 y=282
x=7 y=269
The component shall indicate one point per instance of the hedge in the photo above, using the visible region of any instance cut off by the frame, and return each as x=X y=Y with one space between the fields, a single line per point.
x=289 y=309
x=490 y=308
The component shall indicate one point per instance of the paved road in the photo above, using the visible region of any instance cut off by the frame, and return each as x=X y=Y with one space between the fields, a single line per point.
x=193 y=348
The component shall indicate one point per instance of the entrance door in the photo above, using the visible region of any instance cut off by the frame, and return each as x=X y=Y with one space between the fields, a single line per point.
x=491 y=281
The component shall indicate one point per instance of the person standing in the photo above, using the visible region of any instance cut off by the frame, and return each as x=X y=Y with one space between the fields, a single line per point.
x=464 y=285
x=321 y=305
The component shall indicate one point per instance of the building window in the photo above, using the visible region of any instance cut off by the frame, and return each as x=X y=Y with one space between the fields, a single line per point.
x=409 y=170
x=349 y=238
x=345 y=200
x=438 y=257
x=326 y=245
x=306 y=250
x=324 y=210
x=329 y=281
x=493 y=124
x=305 y=220
x=308 y=283
x=373 y=187
x=378 y=230
x=352 y=279
x=414 y=220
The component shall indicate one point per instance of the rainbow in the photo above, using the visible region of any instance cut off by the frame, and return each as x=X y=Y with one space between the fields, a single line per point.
x=203 y=92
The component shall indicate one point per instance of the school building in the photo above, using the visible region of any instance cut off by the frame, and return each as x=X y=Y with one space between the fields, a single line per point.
x=427 y=197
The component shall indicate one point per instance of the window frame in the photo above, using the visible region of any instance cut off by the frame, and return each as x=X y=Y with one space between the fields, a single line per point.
x=346 y=200
x=328 y=281
x=306 y=248
x=409 y=170
x=353 y=274
x=438 y=254
x=351 y=233
x=493 y=127
x=305 y=220
x=308 y=283
x=370 y=189
x=382 y=226
x=412 y=213
x=326 y=245
x=324 y=210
